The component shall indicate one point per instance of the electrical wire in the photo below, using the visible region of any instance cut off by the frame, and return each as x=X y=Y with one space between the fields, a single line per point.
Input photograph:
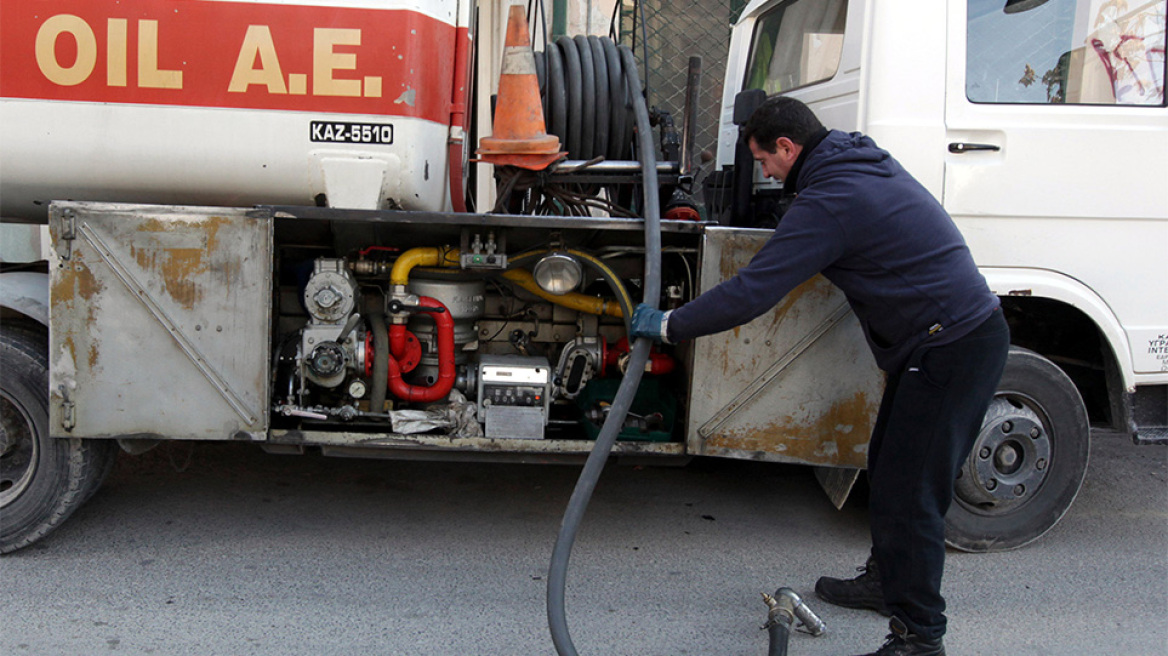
x=534 y=193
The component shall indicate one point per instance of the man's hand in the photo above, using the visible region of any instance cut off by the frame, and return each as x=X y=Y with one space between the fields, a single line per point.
x=651 y=323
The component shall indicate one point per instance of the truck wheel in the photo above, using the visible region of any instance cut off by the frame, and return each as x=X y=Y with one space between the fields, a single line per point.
x=42 y=480
x=105 y=455
x=1028 y=462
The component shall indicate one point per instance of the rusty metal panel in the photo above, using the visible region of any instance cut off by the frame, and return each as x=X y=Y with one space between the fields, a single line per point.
x=159 y=321
x=797 y=384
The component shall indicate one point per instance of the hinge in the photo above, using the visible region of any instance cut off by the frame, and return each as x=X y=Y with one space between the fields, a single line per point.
x=68 y=413
x=66 y=230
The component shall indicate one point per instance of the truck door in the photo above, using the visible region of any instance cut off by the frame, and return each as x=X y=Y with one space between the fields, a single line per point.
x=1057 y=144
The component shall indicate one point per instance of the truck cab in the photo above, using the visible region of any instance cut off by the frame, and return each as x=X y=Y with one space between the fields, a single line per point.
x=1042 y=129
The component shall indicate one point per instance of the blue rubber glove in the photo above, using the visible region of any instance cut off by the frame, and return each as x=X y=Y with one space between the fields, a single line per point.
x=651 y=323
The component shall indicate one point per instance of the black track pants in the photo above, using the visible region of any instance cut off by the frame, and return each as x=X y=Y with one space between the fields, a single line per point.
x=929 y=418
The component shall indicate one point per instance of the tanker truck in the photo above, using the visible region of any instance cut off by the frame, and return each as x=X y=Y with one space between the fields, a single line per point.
x=334 y=226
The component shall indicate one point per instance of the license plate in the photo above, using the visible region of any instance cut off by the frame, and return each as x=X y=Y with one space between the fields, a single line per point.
x=356 y=133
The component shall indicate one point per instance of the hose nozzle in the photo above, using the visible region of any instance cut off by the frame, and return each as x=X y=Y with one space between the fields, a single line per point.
x=786 y=606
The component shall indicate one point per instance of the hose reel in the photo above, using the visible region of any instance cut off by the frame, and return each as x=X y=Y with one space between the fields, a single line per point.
x=587 y=100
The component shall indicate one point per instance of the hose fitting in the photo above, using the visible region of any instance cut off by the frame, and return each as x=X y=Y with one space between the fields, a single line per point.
x=786 y=606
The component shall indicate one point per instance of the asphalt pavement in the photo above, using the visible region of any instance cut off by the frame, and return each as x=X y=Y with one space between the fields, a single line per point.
x=221 y=549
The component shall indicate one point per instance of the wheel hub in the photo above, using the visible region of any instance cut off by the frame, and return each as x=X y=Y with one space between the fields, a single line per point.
x=18 y=450
x=1010 y=458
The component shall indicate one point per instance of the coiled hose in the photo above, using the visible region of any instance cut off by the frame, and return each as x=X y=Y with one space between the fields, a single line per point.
x=588 y=101
x=574 y=514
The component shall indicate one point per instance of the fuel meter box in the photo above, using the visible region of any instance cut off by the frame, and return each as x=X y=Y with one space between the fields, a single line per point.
x=514 y=393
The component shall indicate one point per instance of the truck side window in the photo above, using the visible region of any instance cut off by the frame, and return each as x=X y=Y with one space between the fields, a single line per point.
x=1086 y=52
x=796 y=44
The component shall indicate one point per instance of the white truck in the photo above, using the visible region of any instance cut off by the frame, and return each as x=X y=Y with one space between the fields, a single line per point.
x=260 y=222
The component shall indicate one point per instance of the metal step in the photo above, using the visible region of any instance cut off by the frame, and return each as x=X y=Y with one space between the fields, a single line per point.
x=1151 y=435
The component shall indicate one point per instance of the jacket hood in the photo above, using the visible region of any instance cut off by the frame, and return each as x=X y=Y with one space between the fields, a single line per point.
x=847 y=154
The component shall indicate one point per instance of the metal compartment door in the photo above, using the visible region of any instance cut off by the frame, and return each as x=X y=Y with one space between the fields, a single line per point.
x=797 y=384
x=160 y=321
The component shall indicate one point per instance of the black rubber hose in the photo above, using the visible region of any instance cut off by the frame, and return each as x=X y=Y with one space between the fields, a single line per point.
x=572 y=77
x=380 y=383
x=574 y=514
x=631 y=98
x=557 y=94
x=600 y=72
x=616 y=98
x=650 y=190
x=779 y=635
x=587 y=100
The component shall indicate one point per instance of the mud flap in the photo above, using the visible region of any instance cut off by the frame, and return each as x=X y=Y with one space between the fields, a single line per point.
x=837 y=482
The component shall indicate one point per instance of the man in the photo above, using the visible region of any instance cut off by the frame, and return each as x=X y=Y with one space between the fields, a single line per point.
x=929 y=318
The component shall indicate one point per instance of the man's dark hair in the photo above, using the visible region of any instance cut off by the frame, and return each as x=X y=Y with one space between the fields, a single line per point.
x=780 y=117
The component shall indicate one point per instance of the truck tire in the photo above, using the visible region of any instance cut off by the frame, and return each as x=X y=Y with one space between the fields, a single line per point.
x=1028 y=462
x=105 y=455
x=42 y=480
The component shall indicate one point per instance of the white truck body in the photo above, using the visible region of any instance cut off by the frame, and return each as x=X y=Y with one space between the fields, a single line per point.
x=164 y=102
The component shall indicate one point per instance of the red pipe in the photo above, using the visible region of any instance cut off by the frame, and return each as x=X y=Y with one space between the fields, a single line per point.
x=459 y=117
x=446 y=375
x=659 y=363
x=403 y=345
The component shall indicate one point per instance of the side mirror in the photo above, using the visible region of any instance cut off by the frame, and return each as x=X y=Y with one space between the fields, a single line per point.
x=745 y=103
x=741 y=211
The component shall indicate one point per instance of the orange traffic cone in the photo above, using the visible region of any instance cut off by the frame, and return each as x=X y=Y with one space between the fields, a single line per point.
x=520 y=135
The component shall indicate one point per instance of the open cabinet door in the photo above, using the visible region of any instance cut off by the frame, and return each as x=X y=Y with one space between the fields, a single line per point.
x=797 y=384
x=160 y=321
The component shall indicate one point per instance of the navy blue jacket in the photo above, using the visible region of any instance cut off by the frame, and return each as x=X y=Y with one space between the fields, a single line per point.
x=871 y=229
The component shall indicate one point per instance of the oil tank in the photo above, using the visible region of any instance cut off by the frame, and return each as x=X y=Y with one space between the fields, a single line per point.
x=340 y=102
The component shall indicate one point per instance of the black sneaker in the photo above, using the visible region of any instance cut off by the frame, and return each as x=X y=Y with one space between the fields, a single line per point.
x=902 y=643
x=861 y=592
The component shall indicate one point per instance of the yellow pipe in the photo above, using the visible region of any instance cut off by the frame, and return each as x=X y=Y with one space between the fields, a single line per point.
x=571 y=300
x=448 y=257
x=442 y=256
x=613 y=279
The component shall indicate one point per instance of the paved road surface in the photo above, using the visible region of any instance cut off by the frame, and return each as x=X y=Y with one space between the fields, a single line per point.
x=221 y=549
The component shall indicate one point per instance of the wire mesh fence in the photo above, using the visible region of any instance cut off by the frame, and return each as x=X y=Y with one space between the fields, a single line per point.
x=664 y=34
